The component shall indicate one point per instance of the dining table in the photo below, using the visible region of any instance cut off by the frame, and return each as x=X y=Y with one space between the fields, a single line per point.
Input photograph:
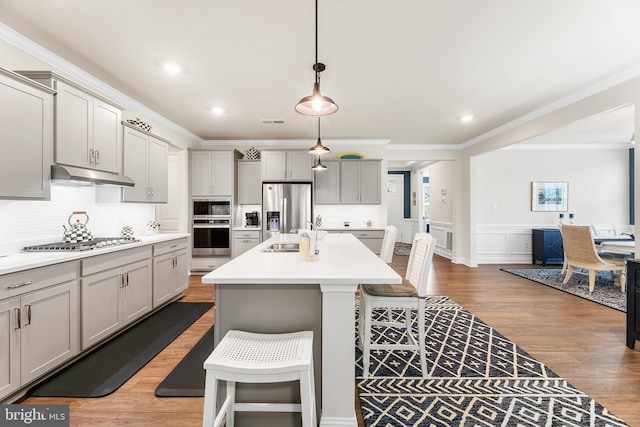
x=621 y=246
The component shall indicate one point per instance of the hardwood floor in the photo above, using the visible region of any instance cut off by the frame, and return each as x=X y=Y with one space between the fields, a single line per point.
x=581 y=341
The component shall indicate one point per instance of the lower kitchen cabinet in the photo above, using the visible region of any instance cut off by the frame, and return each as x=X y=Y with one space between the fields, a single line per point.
x=371 y=238
x=38 y=328
x=243 y=240
x=170 y=270
x=113 y=297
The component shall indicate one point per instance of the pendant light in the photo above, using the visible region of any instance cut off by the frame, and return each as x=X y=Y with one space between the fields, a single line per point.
x=319 y=149
x=316 y=104
x=318 y=166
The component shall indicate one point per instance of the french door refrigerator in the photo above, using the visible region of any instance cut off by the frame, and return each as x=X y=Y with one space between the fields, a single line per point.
x=286 y=207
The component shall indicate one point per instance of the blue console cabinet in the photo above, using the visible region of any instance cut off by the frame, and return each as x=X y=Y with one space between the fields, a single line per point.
x=547 y=246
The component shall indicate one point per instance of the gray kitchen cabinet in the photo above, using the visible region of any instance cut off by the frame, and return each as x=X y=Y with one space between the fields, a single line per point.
x=39 y=323
x=327 y=184
x=26 y=126
x=212 y=173
x=286 y=166
x=146 y=162
x=170 y=270
x=371 y=238
x=243 y=240
x=116 y=290
x=249 y=182
x=87 y=127
x=360 y=181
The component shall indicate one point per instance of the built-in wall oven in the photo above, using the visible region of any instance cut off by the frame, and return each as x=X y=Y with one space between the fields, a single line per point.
x=211 y=234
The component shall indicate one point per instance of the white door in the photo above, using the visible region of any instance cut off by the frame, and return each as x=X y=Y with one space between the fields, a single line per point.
x=395 y=203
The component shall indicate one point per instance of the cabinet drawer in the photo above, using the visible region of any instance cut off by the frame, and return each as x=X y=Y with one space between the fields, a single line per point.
x=112 y=260
x=169 y=246
x=368 y=234
x=38 y=278
x=246 y=234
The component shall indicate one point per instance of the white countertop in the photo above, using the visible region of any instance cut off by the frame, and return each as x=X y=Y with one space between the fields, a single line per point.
x=343 y=260
x=13 y=262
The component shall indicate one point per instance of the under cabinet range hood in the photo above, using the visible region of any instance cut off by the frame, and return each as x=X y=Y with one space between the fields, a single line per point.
x=71 y=174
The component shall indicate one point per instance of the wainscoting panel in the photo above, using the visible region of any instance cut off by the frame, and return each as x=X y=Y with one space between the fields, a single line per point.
x=508 y=244
x=443 y=232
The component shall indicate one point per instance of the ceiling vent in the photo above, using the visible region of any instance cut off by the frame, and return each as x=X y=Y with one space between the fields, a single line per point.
x=272 y=121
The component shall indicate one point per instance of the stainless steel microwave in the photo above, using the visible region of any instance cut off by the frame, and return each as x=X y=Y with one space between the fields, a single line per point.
x=211 y=208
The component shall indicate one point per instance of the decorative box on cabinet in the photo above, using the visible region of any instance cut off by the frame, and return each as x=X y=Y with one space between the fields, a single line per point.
x=26 y=126
x=633 y=302
x=547 y=246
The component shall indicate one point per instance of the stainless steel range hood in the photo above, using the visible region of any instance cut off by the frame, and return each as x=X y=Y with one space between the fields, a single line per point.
x=71 y=174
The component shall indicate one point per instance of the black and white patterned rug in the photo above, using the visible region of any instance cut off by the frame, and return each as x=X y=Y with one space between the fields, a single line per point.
x=476 y=377
x=403 y=249
x=606 y=291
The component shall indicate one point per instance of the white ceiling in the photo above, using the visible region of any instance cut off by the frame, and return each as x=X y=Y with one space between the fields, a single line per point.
x=402 y=71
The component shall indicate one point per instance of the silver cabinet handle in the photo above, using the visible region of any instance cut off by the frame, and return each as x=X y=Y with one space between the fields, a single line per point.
x=121 y=278
x=19 y=285
x=91 y=156
x=97 y=157
x=28 y=308
x=173 y=246
x=126 y=277
x=18 y=318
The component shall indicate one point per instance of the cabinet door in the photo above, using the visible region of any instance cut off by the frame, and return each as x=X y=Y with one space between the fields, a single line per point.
x=74 y=126
x=299 y=164
x=249 y=186
x=327 y=184
x=100 y=306
x=26 y=126
x=369 y=182
x=163 y=273
x=10 y=345
x=201 y=173
x=181 y=272
x=135 y=165
x=107 y=137
x=349 y=182
x=241 y=246
x=222 y=173
x=49 y=329
x=158 y=175
x=137 y=292
x=274 y=165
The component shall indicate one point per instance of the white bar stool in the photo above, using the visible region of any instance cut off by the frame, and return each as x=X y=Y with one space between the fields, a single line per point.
x=260 y=358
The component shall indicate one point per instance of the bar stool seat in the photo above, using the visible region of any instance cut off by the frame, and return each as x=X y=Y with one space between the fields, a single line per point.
x=248 y=357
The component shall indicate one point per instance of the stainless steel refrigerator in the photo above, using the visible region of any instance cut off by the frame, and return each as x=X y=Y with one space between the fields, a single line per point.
x=285 y=207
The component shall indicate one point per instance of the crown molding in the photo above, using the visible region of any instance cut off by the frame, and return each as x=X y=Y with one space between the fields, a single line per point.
x=23 y=43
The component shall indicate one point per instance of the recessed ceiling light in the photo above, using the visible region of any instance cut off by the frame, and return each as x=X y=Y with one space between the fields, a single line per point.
x=466 y=118
x=217 y=110
x=172 y=68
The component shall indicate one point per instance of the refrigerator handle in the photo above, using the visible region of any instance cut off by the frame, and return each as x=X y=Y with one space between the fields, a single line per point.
x=283 y=221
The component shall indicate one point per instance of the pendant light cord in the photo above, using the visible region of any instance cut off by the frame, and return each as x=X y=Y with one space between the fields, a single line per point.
x=316 y=65
x=318 y=128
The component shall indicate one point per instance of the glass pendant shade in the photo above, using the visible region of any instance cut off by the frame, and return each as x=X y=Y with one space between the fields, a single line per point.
x=319 y=149
x=316 y=104
x=318 y=166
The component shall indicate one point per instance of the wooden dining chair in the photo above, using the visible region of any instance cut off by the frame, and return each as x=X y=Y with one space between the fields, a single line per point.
x=580 y=252
x=410 y=296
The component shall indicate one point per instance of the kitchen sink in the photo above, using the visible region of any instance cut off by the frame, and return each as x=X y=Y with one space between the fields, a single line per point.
x=283 y=247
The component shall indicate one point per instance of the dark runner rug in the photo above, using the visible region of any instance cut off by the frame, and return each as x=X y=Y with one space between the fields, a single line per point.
x=605 y=291
x=109 y=366
x=187 y=378
x=476 y=377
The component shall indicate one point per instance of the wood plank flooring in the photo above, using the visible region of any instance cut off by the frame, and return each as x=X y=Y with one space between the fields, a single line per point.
x=581 y=341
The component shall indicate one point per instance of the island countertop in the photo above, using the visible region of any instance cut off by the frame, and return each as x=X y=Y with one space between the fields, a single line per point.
x=343 y=261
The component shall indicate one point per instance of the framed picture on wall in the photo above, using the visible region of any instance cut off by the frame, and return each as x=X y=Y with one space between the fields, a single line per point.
x=549 y=196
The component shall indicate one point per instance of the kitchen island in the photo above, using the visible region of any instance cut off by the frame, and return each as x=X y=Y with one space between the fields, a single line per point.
x=271 y=292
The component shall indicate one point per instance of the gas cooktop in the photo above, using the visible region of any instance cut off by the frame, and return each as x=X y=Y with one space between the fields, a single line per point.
x=96 y=243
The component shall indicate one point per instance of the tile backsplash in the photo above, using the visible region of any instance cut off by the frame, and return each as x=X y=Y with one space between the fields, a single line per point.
x=30 y=222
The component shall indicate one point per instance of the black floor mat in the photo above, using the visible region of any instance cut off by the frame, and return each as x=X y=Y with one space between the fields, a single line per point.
x=109 y=366
x=187 y=378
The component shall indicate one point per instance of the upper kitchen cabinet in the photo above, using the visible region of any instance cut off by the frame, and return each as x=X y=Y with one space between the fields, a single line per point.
x=360 y=181
x=26 y=126
x=212 y=173
x=327 y=184
x=146 y=162
x=286 y=166
x=249 y=185
x=87 y=127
